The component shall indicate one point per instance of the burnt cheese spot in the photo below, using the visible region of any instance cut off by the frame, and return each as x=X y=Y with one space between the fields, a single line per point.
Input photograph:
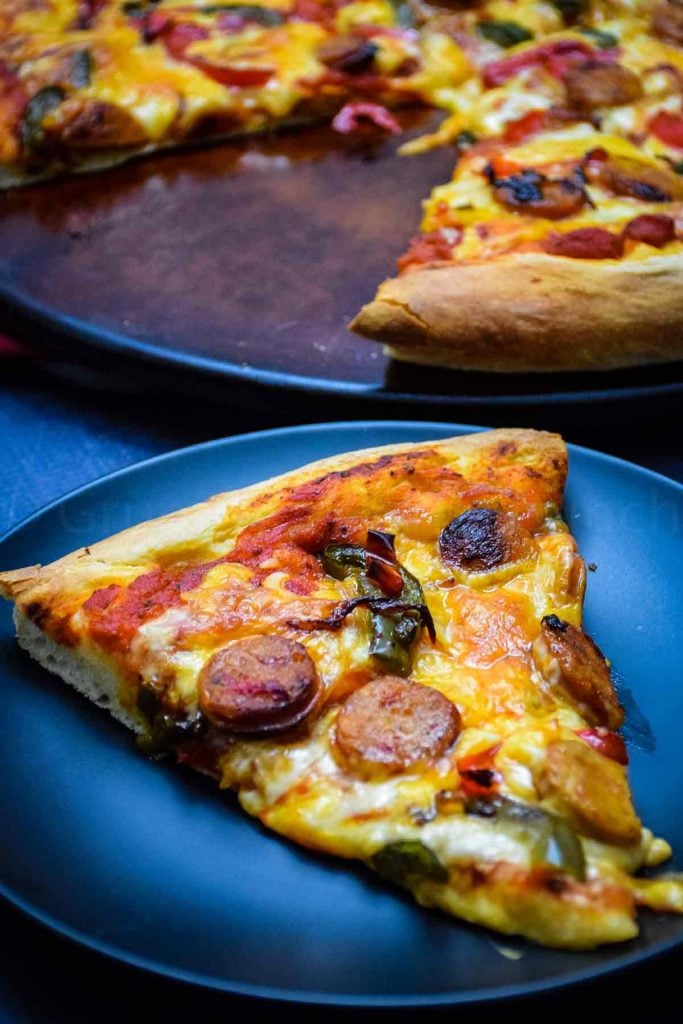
x=482 y=539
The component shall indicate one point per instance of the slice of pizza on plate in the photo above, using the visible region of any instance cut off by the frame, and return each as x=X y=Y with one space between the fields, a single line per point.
x=382 y=654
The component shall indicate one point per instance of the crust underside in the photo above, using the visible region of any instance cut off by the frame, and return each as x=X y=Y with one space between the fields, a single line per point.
x=532 y=312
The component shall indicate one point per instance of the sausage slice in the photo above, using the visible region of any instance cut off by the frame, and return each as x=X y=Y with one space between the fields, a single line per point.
x=347 y=53
x=567 y=657
x=626 y=177
x=538 y=196
x=593 y=789
x=592 y=84
x=667 y=22
x=391 y=724
x=259 y=684
x=482 y=539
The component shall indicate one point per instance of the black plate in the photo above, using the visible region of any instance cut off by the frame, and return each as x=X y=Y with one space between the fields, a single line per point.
x=151 y=864
x=243 y=264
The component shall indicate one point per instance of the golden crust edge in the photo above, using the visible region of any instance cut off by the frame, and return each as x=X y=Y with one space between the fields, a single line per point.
x=532 y=312
x=152 y=537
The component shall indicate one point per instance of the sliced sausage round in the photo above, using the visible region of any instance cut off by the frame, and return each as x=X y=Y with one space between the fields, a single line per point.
x=567 y=657
x=537 y=196
x=592 y=84
x=626 y=177
x=667 y=22
x=259 y=684
x=593 y=789
x=482 y=539
x=350 y=54
x=391 y=724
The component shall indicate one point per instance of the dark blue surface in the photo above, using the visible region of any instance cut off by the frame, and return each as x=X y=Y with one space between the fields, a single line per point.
x=127 y=871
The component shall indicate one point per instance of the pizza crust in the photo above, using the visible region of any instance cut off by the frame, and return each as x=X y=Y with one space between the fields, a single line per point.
x=532 y=312
x=91 y=677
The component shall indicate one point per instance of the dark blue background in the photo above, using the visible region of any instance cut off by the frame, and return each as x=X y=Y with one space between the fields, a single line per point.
x=57 y=436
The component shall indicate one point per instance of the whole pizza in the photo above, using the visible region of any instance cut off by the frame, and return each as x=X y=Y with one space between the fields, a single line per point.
x=557 y=244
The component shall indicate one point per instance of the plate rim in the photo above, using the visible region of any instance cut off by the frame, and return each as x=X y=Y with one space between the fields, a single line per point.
x=90 y=336
x=302 y=996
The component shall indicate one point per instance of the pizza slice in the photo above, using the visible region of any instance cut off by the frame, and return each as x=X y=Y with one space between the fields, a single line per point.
x=563 y=252
x=382 y=654
x=85 y=86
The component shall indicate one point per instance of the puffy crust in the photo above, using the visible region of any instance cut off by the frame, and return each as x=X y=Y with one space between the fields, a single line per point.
x=200 y=529
x=531 y=311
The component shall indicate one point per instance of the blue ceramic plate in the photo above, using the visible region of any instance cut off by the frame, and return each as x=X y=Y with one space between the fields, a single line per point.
x=153 y=865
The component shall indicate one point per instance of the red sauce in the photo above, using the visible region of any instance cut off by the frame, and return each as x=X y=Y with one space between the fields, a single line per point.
x=336 y=508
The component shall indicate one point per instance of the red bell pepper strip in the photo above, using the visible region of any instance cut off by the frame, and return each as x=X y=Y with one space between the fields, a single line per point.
x=610 y=744
x=478 y=778
x=668 y=127
x=556 y=57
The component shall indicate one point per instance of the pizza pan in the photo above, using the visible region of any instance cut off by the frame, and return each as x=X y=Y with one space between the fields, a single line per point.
x=153 y=865
x=241 y=265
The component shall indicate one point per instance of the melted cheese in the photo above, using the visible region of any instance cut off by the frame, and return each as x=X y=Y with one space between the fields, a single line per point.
x=469 y=199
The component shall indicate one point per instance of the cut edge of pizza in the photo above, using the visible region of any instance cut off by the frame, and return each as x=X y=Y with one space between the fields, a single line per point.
x=382 y=654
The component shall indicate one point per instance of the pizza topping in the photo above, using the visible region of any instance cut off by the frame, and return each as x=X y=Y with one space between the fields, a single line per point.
x=259 y=684
x=536 y=121
x=87 y=12
x=608 y=743
x=667 y=22
x=165 y=728
x=433 y=247
x=532 y=193
x=397 y=615
x=504 y=33
x=94 y=124
x=81 y=69
x=482 y=539
x=177 y=37
x=592 y=84
x=555 y=56
x=478 y=777
x=38 y=107
x=360 y=116
x=593 y=789
x=652 y=228
x=347 y=53
x=567 y=658
x=392 y=724
x=571 y=10
x=668 y=127
x=407 y=862
x=627 y=177
x=550 y=840
x=603 y=40
x=585 y=244
x=237 y=15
